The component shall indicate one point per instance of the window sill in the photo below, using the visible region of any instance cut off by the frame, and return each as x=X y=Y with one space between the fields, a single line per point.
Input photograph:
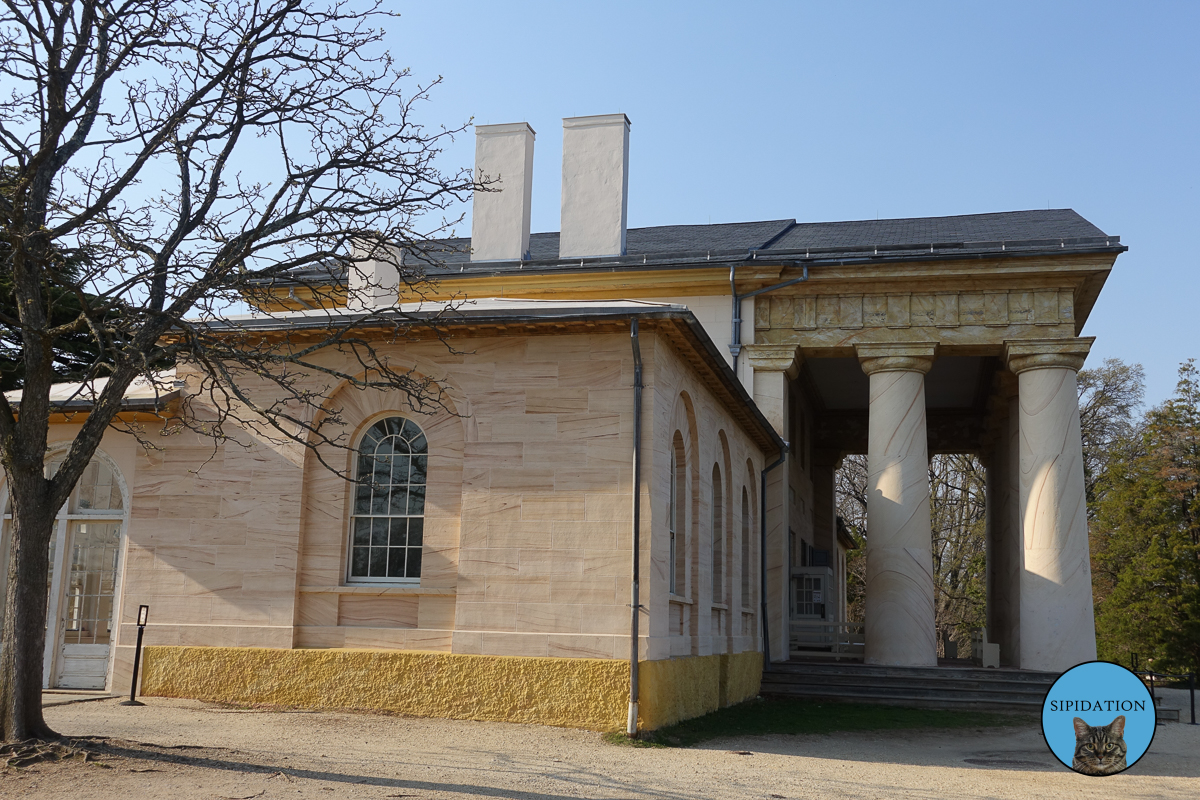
x=678 y=600
x=379 y=589
x=720 y=606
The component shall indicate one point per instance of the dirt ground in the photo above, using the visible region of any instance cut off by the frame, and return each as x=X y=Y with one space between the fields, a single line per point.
x=179 y=749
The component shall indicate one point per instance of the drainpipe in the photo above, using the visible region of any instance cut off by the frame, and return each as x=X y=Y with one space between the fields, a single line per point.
x=762 y=552
x=635 y=605
x=735 y=338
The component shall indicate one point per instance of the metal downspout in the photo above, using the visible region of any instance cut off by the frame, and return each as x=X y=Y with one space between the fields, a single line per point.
x=635 y=604
x=762 y=552
x=735 y=338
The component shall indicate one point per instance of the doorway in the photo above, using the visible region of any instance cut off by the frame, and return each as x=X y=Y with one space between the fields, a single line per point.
x=85 y=551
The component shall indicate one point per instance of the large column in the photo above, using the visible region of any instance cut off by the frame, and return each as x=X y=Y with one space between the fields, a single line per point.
x=1057 y=624
x=773 y=366
x=1004 y=534
x=899 y=591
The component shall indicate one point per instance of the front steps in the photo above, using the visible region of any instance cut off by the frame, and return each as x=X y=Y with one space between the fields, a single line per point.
x=927 y=687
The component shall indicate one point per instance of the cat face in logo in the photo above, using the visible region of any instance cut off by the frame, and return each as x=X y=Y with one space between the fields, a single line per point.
x=1099 y=750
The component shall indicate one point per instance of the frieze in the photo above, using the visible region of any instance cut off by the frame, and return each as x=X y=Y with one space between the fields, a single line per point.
x=914 y=310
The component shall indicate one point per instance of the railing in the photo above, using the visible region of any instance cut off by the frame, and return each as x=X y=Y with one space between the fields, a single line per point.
x=836 y=640
x=1150 y=677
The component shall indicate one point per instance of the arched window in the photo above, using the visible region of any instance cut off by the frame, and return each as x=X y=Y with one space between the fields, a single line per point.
x=745 y=549
x=718 y=539
x=387 y=524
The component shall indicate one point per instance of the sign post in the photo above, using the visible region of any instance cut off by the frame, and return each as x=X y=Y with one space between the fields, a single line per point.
x=143 y=616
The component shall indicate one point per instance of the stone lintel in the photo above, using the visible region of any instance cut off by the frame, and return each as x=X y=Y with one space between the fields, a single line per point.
x=774 y=358
x=1027 y=354
x=896 y=356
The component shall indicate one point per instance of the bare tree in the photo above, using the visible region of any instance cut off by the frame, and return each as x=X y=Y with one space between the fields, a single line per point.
x=957 y=489
x=851 y=493
x=1109 y=399
x=956 y=508
x=186 y=156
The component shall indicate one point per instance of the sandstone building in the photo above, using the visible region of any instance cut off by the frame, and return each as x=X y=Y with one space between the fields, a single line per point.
x=487 y=573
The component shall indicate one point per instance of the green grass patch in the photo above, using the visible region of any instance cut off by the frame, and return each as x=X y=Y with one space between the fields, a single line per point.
x=781 y=716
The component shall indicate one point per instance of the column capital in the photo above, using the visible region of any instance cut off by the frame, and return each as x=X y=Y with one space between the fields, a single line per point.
x=896 y=356
x=774 y=358
x=1021 y=355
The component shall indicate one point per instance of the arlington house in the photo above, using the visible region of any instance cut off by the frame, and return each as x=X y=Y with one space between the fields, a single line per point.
x=655 y=413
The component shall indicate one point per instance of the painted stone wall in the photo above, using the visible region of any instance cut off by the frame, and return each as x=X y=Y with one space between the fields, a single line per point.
x=575 y=692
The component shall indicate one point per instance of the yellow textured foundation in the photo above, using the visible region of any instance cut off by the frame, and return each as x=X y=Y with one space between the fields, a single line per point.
x=568 y=692
x=682 y=688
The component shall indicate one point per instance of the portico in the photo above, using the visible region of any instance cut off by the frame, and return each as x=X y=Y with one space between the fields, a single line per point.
x=987 y=369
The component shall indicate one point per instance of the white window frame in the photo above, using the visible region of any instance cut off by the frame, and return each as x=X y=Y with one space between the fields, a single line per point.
x=352 y=500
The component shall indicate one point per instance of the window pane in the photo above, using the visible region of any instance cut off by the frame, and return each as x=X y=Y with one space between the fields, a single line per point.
x=379 y=501
x=400 y=470
x=416 y=500
x=378 y=562
x=399 y=500
x=396 y=562
x=362 y=499
x=416 y=527
x=399 y=446
x=399 y=537
x=381 y=470
x=379 y=532
x=418 y=471
x=362 y=532
x=392 y=425
x=411 y=433
x=358 y=561
x=413 y=567
x=364 y=469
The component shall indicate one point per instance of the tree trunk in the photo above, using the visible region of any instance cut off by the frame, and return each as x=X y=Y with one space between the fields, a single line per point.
x=24 y=637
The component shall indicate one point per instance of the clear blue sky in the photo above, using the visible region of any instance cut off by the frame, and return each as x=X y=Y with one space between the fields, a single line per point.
x=832 y=111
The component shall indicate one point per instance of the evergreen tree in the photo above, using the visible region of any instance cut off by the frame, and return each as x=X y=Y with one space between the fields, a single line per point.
x=1146 y=538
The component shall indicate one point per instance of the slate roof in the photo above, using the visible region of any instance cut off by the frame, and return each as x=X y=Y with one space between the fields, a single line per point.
x=1011 y=233
x=1014 y=226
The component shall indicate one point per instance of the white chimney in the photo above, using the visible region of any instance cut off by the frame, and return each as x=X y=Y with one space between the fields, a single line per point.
x=500 y=220
x=595 y=186
x=372 y=282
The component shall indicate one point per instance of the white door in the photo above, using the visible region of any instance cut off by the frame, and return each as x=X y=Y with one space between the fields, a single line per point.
x=86 y=613
x=82 y=582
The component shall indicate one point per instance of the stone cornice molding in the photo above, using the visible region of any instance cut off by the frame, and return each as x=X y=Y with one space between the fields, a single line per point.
x=896 y=356
x=774 y=358
x=1026 y=354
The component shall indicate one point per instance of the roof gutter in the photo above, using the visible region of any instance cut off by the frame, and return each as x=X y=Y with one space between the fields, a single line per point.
x=761 y=258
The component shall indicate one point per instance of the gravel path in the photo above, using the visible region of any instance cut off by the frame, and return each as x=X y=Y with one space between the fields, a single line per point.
x=180 y=749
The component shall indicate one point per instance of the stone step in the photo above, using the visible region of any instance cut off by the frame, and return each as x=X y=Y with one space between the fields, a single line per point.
x=981 y=700
x=942 y=683
x=944 y=687
x=873 y=689
x=807 y=668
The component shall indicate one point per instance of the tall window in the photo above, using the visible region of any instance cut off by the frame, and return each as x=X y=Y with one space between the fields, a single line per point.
x=389 y=503
x=673 y=519
x=718 y=539
x=678 y=517
x=745 y=549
